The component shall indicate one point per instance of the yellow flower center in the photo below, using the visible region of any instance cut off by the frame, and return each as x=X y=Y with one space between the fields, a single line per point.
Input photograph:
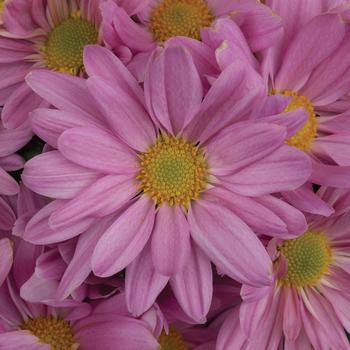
x=308 y=257
x=180 y=18
x=63 y=50
x=53 y=331
x=306 y=135
x=171 y=341
x=173 y=171
x=2 y=4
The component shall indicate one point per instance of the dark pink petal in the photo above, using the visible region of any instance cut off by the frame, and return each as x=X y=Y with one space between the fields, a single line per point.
x=8 y=185
x=51 y=175
x=171 y=246
x=141 y=273
x=285 y=169
x=7 y=216
x=173 y=88
x=125 y=238
x=229 y=243
x=6 y=254
x=97 y=149
x=193 y=286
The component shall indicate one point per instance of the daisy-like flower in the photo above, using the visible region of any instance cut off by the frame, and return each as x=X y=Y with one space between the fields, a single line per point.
x=70 y=325
x=308 y=307
x=185 y=175
x=162 y=20
x=314 y=78
x=42 y=34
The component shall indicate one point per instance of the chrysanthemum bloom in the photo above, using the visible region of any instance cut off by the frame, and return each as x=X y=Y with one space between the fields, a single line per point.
x=162 y=20
x=42 y=34
x=187 y=175
x=315 y=77
x=308 y=307
x=69 y=326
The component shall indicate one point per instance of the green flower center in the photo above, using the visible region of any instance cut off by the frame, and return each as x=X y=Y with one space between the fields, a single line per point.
x=173 y=171
x=180 y=18
x=56 y=332
x=63 y=51
x=171 y=341
x=308 y=256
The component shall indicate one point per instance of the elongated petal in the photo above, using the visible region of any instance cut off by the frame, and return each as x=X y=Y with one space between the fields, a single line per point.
x=173 y=88
x=170 y=240
x=242 y=144
x=103 y=197
x=125 y=239
x=229 y=243
x=8 y=185
x=193 y=286
x=283 y=170
x=51 y=175
x=98 y=150
x=141 y=273
x=6 y=254
x=7 y=217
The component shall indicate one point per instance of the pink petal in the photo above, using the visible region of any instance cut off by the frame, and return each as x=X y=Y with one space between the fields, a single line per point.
x=291 y=315
x=229 y=243
x=103 y=197
x=21 y=340
x=124 y=113
x=193 y=286
x=125 y=238
x=285 y=169
x=143 y=283
x=330 y=175
x=7 y=216
x=304 y=53
x=170 y=240
x=173 y=107
x=6 y=254
x=63 y=91
x=8 y=185
x=97 y=149
x=51 y=175
x=241 y=145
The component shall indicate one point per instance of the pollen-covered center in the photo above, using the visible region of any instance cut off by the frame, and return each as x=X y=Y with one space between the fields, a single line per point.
x=171 y=341
x=173 y=171
x=180 y=18
x=54 y=331
x=308 y=257
x=2 y=4
x=306 y=135
x=63 y=50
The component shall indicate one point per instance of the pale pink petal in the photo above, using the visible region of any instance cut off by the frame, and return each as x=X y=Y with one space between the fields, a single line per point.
x=291 y=314
x=193 y=286
x=124 y=113
x=229 y=243
x=170 y=240
x=125 y=239
x=241 y=145
x=103 y=197
x=51 y=175
x=64 y=91
x=97 y=149
x=21 y=340
x=285 y=169
x=173 y=107
x=141 y=273
x=304 y=53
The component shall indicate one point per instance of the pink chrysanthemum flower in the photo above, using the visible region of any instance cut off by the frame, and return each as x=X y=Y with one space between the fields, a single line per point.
x=308 y=307
x=186 y=175
x=42 y=34
x=163 y=20
x=315 y=77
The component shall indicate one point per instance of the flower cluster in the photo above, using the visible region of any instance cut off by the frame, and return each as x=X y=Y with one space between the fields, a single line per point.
x=174 y=174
